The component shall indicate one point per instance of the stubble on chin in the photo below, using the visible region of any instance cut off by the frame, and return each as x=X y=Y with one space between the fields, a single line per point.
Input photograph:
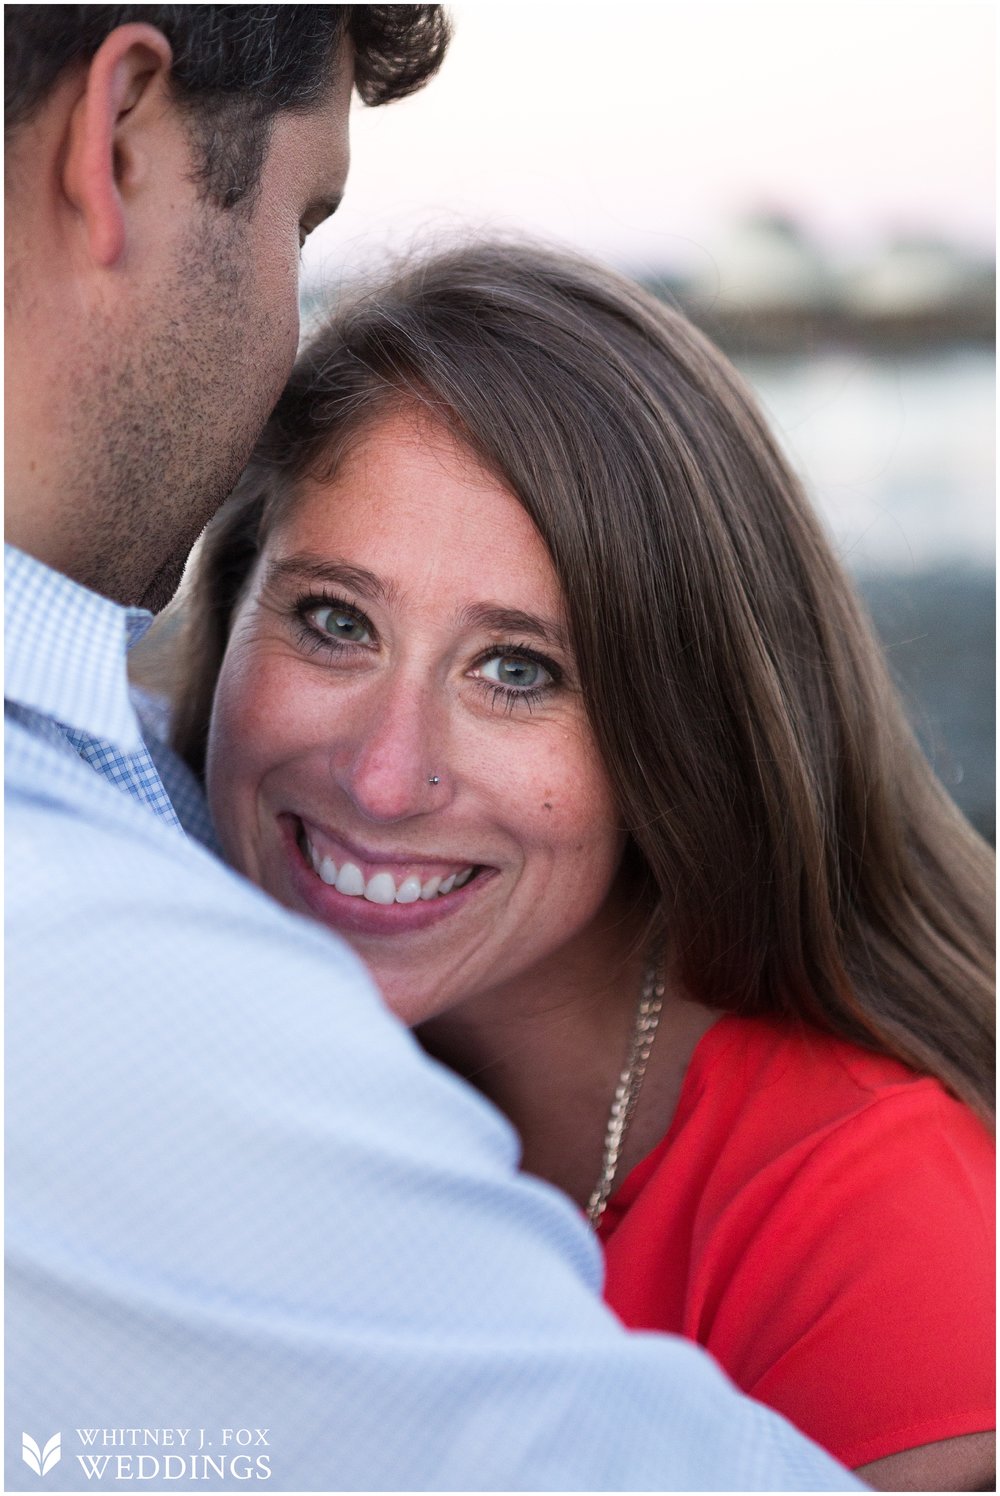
x=170 y=429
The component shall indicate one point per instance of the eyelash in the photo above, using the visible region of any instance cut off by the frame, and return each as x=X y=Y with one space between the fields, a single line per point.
x=313 y=639
x=506 y=696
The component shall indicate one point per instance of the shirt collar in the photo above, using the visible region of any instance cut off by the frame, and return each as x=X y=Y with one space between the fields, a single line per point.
x=65 y=649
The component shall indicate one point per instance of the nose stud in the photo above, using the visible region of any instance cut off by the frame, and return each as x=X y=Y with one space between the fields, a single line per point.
x=433 y=779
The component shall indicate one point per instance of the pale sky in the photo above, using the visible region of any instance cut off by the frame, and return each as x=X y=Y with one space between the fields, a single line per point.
x=637 y=131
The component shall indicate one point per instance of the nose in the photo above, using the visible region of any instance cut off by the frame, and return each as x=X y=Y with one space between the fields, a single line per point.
x=392 y=764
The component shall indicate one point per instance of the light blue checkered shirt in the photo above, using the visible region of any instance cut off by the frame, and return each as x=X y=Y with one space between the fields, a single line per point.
x=243 y=1208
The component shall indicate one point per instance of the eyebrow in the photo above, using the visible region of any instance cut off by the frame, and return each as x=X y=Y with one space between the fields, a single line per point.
x=495 y=619
x=306 y=567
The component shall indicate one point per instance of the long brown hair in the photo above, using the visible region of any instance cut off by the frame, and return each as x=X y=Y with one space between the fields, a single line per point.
x=796 y=853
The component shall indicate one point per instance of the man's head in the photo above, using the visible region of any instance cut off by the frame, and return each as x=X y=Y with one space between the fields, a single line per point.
x=163 y=165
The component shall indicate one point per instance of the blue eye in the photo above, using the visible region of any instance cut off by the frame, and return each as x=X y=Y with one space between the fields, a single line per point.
x=340 y=624
x=516 y=673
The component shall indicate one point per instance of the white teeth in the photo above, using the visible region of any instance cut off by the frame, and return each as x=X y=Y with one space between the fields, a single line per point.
x=381 y=889
x=409 y=890
x=350 y=880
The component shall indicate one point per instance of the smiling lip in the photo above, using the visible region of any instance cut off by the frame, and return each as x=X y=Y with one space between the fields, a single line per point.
x=362 y=894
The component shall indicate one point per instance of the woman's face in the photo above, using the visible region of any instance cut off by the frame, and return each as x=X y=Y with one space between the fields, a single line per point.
x=399 y=747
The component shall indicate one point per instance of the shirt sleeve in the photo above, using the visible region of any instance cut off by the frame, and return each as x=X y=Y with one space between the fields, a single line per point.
x=242 y=1206
x=862 y=1304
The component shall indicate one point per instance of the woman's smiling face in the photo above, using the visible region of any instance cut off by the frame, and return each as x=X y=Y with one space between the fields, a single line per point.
x=399 y=746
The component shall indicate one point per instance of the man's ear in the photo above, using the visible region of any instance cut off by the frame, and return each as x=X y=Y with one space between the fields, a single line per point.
x=107 y=154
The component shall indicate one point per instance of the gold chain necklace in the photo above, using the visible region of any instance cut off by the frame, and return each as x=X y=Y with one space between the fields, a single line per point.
x=647 y=1018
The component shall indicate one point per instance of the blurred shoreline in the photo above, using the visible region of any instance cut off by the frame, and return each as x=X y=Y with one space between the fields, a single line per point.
x=770 y=288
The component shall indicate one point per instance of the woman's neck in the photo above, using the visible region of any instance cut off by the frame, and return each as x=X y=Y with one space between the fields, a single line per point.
x=549 y=1050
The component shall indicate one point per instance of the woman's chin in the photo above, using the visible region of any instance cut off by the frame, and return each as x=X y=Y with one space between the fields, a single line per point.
x=411 y=1005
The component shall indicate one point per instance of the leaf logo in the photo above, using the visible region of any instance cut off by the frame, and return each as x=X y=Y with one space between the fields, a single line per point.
x=41 y=1460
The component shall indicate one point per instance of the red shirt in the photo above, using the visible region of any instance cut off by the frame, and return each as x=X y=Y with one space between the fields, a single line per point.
x=822 y=1220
